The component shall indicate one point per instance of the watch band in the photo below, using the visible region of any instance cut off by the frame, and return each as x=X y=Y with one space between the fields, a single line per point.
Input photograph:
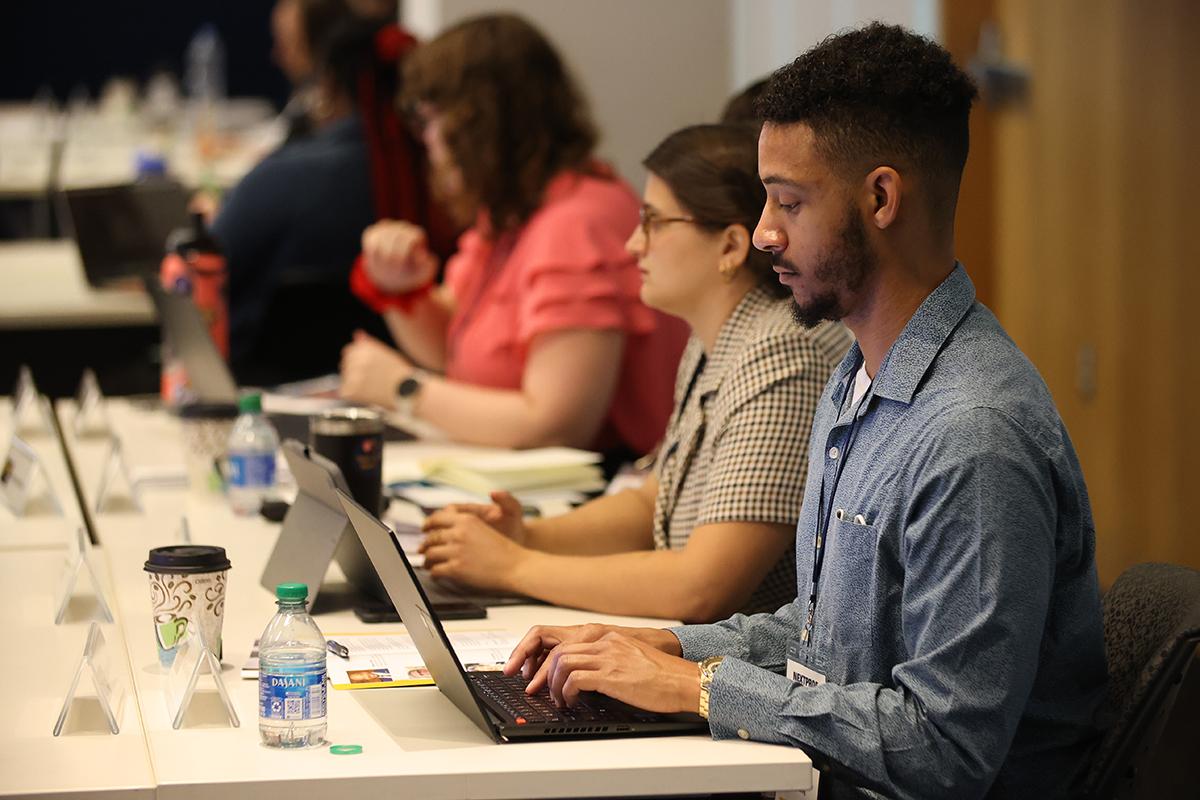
x=708 y=670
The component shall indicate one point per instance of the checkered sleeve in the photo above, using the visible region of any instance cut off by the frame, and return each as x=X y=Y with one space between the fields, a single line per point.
x=759 y=449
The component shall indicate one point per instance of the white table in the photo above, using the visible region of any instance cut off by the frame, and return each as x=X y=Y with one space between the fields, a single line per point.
x=415 y=742
x=42 y=285
x=40 y=658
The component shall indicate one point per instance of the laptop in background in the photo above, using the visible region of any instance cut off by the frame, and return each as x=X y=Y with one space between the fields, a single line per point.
x=122 y=231
x=494 y=702
x=185 y=331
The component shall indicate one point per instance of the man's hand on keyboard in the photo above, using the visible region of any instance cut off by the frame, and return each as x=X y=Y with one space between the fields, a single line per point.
x=639 y=666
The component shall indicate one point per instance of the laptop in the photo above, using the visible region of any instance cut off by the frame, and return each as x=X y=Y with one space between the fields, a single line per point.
x=316 y=531
x=497 y=704
x=122 y=230
x=185 y=331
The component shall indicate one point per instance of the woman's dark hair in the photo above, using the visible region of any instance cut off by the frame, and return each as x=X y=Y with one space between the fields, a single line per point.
x=713 y=172
x=318 y=18
x=513 y=116
x=361 y=58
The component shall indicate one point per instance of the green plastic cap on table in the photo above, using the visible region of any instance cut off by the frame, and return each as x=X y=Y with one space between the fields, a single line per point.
x=250 y=403
x=292 y=591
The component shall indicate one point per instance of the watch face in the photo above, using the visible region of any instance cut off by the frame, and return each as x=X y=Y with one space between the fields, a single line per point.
x=408 y=387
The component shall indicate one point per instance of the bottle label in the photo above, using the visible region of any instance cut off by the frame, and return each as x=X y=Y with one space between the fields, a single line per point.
x=251 y=469
x=291 y=697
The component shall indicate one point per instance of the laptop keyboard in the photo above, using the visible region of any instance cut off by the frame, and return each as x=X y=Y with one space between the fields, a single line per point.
x=507 y=694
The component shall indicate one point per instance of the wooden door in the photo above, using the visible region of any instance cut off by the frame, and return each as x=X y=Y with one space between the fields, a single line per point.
x=1091 y=181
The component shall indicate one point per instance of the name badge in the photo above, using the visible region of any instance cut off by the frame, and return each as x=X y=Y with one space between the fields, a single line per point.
x=800 y=672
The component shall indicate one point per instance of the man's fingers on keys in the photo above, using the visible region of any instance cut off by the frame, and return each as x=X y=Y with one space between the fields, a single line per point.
x=565 y=661
x=535 y=641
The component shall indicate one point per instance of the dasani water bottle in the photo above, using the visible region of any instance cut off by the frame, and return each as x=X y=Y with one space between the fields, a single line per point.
x=291 y=674
x=251 y=456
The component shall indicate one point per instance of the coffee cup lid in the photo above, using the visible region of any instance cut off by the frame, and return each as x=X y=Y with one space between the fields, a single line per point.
x=208 y=411
x=185 y=559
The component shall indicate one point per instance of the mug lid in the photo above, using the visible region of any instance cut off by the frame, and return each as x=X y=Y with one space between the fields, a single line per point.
x=185 y=559
x=208 y=411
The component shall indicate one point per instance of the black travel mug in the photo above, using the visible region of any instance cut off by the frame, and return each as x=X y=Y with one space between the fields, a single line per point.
x=352 y=438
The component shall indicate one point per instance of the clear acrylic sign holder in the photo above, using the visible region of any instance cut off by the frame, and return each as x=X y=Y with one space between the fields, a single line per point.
x=116 y=471
x=99 y=662
x=25 y=397
x=20 y=471
x=193 y=657
x=91 y=415
x=79 y=559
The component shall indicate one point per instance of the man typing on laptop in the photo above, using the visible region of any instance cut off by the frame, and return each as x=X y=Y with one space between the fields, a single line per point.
x=947 y=638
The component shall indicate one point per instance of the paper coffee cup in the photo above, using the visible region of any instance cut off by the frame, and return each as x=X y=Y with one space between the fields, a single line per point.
x=206 y=428
x=187 y=591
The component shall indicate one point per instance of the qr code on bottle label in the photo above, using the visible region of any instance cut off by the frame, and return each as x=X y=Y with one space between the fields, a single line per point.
x=293 y=708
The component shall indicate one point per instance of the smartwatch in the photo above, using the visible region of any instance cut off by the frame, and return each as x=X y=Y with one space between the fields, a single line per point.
x=407 y=392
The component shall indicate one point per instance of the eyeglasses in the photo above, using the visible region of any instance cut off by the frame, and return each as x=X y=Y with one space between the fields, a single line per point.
x=648 y=220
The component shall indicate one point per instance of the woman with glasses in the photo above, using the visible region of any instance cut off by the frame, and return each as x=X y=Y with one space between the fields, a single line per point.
x=536 y=336
x=711 y=531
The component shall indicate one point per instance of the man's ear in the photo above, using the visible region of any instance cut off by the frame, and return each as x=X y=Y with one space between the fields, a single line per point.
x=885 y=188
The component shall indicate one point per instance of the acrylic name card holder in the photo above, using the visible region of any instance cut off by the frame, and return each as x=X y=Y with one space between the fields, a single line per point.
x=97 y=666
x=193 y=658
x=80 y=560
x=91 y=415
x=116 y=472
x=25 y=399
x=23 y=478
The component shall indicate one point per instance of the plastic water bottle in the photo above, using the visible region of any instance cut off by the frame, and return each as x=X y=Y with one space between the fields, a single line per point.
x=205 y=77
x=291 y=674
x=251 y=456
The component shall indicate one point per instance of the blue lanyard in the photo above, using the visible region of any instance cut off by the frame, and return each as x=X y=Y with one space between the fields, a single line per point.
x=825 y=511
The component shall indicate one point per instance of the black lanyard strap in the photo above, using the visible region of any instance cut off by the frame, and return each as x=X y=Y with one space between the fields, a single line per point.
x=825 y=510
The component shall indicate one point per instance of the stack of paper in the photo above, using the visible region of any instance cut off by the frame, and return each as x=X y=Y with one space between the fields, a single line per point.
x=560 y=468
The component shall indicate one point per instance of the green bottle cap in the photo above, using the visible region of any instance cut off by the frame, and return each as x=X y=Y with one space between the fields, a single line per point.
x=345 y=749
x=292 y=591
x=250 y=403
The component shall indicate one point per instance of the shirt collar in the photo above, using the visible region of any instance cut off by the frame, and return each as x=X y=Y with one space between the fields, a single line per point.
x=910 y=357
x=731 y=339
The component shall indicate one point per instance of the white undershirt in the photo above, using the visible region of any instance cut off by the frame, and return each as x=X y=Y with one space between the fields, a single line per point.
x=862 y=382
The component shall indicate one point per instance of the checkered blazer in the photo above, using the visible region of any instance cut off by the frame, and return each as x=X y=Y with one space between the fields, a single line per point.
x=736 y=446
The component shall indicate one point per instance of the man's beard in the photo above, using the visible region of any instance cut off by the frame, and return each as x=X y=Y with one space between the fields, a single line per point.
x=842 y=269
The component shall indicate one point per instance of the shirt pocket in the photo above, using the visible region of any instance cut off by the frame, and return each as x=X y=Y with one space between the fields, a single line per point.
x=849 y=592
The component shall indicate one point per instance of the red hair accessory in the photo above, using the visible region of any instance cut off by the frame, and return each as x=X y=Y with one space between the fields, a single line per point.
x=391 y=42
x=378 y=300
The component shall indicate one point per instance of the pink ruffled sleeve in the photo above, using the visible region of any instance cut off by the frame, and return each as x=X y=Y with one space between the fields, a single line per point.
x=574 y=271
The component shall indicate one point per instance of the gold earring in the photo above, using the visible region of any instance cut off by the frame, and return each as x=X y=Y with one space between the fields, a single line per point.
x=728 y=274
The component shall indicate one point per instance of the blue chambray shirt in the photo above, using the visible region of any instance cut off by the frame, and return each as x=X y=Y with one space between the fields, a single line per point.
x=958 y=624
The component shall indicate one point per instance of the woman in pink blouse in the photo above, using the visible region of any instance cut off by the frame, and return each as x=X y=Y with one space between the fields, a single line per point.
x=537 y=335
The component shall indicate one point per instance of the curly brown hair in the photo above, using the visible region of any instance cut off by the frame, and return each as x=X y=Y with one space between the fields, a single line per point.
x=513 y=117
x=880 y=94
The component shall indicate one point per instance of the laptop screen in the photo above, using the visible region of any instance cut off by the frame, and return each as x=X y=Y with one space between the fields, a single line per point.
x=409 y=599
x=123 y=230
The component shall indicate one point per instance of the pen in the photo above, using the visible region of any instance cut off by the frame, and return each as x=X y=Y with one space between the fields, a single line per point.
x=337 y=649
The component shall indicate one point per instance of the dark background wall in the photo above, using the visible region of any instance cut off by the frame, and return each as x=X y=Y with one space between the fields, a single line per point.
x=62 y=44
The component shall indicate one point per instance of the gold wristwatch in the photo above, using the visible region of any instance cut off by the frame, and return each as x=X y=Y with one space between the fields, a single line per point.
x=708 y=670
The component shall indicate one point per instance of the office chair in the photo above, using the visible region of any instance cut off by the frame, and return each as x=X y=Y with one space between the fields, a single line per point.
x=1151 y=632
x=310 y=315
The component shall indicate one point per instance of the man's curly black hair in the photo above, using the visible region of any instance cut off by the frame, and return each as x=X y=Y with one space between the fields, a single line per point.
x=879 y=95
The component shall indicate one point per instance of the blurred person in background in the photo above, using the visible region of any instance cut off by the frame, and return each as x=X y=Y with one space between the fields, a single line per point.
x=537 y=335
x=296 y=27
x=302 y=210
x=712 y=530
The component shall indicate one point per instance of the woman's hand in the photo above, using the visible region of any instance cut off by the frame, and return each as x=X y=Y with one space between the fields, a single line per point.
x=504 y=514
x=466 y=549
x=371 y=371
x=396 y=256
